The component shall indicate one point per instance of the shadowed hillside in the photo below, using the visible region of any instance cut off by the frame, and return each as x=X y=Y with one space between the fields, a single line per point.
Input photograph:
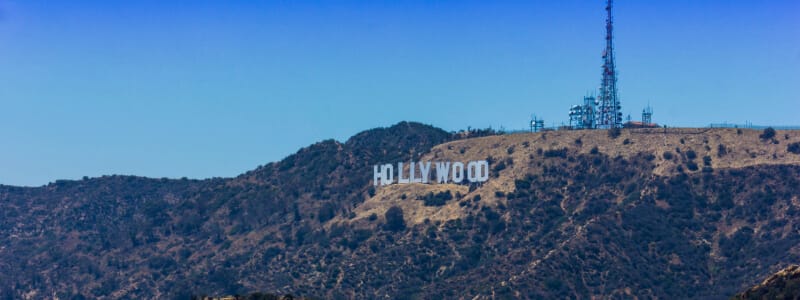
x=784 y=285
x=682 y=213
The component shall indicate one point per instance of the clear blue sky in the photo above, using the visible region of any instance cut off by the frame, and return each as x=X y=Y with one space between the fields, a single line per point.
x=215 y=88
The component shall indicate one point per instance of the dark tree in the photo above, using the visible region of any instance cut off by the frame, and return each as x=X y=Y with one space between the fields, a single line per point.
x=767 y=134
x=326 y=212
x=394 y=219
x=690 y=154
x=614 y=132
x=667 y=155
x=794 y=148
x=721 y=150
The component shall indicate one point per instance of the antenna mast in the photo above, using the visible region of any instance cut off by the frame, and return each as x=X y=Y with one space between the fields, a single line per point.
x=609 y=110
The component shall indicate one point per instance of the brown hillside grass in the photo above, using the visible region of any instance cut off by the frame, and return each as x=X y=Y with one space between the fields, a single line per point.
x=743 y=148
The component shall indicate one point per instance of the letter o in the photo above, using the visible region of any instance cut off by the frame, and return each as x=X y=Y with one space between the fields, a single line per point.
x=472 y=170
x=483 y=171
x=458 y=172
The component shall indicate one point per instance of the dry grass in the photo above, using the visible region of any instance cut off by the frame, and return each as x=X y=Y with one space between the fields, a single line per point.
x=744 y=148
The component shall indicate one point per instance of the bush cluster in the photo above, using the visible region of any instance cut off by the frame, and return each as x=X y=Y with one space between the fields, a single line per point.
x=794 y=148
x=767 y=134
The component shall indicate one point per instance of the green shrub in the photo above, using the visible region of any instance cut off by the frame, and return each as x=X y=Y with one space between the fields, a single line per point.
x=326 y=212
x=690 y=154
x=794 y=148
x=438 y=199
x=767 y=134
x=614 y=133
x=556 y=153
x=394 y=219
x=667 y=155
x=499 y=167
x=522 y=184
x=721 y=150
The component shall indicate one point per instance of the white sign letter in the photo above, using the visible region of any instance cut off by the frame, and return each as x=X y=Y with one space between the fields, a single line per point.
x=376 y=175
x=458 y=172
x=478 y=171
x=388 y=174
x=471 y=171
x=483 y=171
x=442 y=169
x=413 y=173
x=425 y=171
x=400 y=178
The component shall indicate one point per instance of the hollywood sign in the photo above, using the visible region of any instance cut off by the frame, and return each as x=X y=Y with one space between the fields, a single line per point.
x=445 y=171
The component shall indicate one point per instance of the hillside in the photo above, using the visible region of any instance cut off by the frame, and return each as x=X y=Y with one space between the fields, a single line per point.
x=677 y=213
x=784 y=285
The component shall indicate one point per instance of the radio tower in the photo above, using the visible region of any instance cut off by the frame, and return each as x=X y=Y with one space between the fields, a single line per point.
x=609 y=109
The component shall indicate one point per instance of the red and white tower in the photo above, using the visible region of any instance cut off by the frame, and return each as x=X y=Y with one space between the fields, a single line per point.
x=609 y=113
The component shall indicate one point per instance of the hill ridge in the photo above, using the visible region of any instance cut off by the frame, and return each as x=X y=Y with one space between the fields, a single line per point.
x=633 y=220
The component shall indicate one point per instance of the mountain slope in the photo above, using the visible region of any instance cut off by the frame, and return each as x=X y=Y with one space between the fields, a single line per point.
x=784 y=284
x=687 y=213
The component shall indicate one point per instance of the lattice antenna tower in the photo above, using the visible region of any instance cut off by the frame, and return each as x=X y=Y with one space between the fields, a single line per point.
x=609 y=113
x=647 y=115
x=589 y=108
x=536 y=124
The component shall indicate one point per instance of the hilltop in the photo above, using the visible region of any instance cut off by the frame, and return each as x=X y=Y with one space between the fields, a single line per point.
x=671 y=152
x=668 y=213
x=785 y=284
